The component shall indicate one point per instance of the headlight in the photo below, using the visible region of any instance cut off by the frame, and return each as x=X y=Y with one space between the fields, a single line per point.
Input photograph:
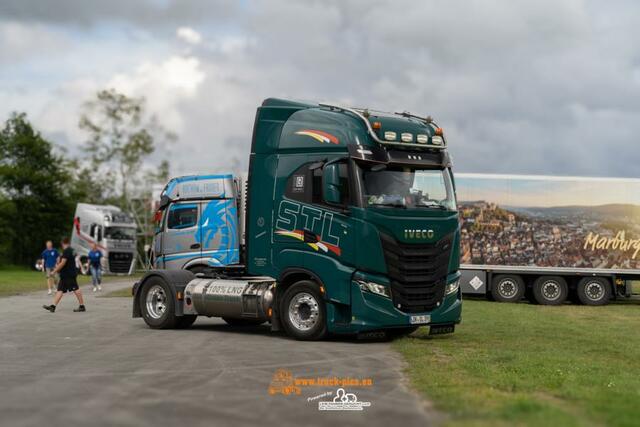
x=374 y=288
x=452 y=287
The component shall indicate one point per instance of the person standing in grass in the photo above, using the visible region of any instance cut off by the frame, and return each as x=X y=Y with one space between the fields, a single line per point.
x=68 y=278
x=95 y=266
x=49 y=260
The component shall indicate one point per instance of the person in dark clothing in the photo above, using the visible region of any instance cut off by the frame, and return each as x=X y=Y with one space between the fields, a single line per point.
x=66 y=267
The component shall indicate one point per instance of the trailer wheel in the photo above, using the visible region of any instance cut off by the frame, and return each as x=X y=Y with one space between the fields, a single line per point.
x=242 y=322
x=550 y=290
x=157 y=304
x=594 y=291
x=303 y=312
x=507 y=288
x=184 y=322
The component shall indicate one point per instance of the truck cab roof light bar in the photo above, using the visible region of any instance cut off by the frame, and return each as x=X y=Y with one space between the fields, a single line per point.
x=375 y=136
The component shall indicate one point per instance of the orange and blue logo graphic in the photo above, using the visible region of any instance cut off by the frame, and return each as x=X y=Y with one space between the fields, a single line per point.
x=319 y=135
x=318 y=246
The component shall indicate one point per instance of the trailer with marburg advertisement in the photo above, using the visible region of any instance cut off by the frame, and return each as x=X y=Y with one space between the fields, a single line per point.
x=547 y=238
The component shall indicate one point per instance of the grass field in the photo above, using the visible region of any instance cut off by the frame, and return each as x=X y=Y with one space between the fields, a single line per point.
x=523 y=364
x=19 y=280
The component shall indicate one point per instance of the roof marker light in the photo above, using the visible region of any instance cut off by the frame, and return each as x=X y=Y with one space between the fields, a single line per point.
x=422 y=139
x=390 y=136
x=406 y=137
x=377 y=125
x=439 y=132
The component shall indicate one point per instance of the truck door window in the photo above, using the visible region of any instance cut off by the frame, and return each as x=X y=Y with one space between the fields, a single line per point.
x=182 y=216
x=305 y=185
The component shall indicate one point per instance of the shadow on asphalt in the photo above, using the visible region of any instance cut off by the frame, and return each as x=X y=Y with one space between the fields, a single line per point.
x=265 y=330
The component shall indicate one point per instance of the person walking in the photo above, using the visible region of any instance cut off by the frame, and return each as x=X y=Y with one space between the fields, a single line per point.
x=49 y=260
x=95 y=256
x=68 y=278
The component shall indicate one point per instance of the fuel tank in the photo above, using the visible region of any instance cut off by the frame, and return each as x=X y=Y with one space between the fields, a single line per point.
x=241 y=298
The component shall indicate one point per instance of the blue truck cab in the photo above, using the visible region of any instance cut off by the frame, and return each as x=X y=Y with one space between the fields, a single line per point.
x=197 y=224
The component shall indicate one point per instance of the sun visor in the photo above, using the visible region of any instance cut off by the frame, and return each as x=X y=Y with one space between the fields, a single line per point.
x=377 y=155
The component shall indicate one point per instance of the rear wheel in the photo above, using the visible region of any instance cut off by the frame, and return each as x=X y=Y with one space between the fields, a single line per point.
x=198 y=269
x=507 y=288
x=594 y=291
x=303 y=312
x=550 y=290
x=157 y=304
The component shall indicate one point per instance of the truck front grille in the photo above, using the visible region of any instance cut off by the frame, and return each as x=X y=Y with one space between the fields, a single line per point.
x=417 y=271
x=120 y=262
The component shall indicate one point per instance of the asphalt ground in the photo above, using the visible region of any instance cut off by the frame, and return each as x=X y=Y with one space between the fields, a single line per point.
x=103 y=367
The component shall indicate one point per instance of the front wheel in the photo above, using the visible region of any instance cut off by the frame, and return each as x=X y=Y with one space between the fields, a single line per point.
x=303 y=311
x=157 y=304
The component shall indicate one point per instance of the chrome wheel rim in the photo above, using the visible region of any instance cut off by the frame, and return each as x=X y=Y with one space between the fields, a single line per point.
x=156 y=302
x=594 y=291
x=551 y=290
x=508 y=288
x=304 y=311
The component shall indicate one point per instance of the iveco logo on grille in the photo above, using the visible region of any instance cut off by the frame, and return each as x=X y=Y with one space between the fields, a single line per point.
x=412 y=233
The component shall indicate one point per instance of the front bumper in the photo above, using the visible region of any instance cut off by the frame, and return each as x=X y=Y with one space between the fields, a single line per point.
x=370 y=311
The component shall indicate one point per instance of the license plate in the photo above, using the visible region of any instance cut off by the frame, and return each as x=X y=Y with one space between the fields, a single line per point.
x=421 y=319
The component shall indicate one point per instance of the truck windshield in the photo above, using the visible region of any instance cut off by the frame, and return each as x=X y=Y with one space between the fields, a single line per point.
x=120 y=233
x=408 y=188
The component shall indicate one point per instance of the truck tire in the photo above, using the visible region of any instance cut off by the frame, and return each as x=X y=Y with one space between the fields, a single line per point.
x=507 y=288
x=185 y=322
x=594 y=291
x=242 y=322
x=157 y=304
x=303 y=312
x=550 y=290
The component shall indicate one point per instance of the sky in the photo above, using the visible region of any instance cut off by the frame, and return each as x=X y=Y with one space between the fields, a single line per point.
x=546 y=191
x=544 y=87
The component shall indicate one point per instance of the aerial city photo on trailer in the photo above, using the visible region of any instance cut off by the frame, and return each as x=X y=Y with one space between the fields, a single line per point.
x=549 y=221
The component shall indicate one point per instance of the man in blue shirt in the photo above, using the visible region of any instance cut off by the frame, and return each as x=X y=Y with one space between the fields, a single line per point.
x=49 y=259
x=96 y=268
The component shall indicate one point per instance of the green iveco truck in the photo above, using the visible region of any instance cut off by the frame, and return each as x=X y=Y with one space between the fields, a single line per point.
x=347 y=224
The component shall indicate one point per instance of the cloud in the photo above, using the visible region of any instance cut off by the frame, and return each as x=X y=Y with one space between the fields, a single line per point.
x=520 y=87
x=189 y=35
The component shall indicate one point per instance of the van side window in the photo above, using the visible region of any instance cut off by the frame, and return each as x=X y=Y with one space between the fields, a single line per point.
x=182 y=216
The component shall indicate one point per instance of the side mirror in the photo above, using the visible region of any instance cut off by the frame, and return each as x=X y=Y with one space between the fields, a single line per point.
x=331 y=183
x=164 y=201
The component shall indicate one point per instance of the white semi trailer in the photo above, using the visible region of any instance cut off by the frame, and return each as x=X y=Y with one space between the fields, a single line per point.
x=112 y=230
x=549 y=238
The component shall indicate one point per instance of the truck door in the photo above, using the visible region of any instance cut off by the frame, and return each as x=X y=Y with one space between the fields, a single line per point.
x=181 y=239
x=219 y=232
x=306 y=223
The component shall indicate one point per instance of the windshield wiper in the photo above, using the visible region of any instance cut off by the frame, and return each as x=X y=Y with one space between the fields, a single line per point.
x=433 y=206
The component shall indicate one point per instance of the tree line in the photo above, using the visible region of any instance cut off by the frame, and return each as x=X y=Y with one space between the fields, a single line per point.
x=41 y=182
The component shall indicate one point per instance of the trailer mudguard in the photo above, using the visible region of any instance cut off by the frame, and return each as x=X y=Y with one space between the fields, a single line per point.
x=176 y=279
